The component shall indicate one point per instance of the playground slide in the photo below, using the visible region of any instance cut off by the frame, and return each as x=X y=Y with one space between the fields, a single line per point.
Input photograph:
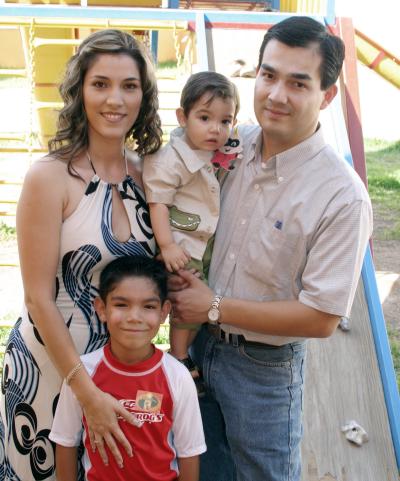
x=344 y=378
x=377 y=58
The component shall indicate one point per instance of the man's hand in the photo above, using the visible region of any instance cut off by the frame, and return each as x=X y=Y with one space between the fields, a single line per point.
x=191 y=304
x=178 y=283
x=174 y=257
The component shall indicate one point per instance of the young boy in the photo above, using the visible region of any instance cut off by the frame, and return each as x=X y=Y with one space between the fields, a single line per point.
x=182 y=189
x=153 y=386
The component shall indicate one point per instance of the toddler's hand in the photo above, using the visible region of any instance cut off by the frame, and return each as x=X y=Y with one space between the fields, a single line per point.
x=174 y=257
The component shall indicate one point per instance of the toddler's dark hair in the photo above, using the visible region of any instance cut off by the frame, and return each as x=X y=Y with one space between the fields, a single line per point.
x=133 y=266
x=216 y=84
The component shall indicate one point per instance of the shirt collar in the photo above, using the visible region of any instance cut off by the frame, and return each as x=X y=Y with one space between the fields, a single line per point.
x=194 y=160
x=293 y=158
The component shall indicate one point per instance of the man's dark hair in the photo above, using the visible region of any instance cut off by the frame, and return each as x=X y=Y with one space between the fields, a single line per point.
x=302 y=32
x=133 y=266
x=217 y=85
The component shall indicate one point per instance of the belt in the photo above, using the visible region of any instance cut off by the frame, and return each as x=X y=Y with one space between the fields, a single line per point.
x=235 y=339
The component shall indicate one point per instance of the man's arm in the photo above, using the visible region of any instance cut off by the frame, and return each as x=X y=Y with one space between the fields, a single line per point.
x=279 y=318
x=67 y=463
x=188 y=469
x=336 y=255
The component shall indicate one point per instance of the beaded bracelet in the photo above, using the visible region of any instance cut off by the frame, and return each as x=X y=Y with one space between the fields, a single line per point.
x=72 y=373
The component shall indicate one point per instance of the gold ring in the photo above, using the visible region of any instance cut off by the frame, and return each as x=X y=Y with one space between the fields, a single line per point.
x=98 y=442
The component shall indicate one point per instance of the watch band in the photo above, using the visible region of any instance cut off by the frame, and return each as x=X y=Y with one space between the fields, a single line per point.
x=214 y=312
x=216 y=301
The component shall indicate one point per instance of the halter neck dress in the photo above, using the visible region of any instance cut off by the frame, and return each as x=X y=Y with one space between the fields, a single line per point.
x=30 y=383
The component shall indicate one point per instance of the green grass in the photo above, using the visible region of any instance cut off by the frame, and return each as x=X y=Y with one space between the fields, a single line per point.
x=167 y=69
x=162 y=336
x=383 y=167
x=394 y=339
x=7 y=232
x=4 y=333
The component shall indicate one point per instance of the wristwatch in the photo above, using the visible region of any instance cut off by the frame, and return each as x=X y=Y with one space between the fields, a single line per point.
x=214 y=313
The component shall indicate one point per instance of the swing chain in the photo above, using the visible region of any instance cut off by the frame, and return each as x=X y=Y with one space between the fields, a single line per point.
x=31 y=77
x=177 y=48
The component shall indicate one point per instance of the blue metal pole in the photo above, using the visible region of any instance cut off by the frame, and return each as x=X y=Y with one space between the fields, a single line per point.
x=383 y=354
x=330 y=12
x=154 y=45
x=173 y=3
x=201 y=41
x=276 y=5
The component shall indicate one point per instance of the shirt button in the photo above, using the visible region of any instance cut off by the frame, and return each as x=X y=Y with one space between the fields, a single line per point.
x=231 y=256
x=263 y=165
x=243 y=221
x=280 y=179
x=213 y=189
x=256 y=187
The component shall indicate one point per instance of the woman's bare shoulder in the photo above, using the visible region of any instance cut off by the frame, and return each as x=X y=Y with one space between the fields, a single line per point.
x=47 y=168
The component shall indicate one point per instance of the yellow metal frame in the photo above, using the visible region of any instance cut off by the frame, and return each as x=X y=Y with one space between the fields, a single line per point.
x=377 y=58
x=123 y=24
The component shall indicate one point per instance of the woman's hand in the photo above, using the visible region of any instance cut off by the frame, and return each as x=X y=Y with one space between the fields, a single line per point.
x=102 y=414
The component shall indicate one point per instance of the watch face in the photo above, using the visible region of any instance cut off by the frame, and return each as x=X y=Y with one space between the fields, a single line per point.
x=213 y=314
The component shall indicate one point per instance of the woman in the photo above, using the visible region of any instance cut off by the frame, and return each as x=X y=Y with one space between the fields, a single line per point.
x=80 y=207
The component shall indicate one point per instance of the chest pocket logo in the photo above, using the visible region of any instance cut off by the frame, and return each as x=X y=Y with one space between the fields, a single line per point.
x=183 y=220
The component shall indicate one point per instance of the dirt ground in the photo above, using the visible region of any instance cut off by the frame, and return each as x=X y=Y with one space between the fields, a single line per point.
x=387 y=265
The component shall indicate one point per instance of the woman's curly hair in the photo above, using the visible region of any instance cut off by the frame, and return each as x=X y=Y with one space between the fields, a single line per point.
x=145 y=135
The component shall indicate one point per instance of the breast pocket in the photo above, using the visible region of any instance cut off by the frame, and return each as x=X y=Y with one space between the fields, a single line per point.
x=274 y=254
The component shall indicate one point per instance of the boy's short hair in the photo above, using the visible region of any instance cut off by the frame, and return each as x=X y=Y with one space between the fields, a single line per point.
x=299 y=31
x=213 y=83
x=133 y=266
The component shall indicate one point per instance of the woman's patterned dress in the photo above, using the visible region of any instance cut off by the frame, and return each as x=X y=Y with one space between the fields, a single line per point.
x=30 y=383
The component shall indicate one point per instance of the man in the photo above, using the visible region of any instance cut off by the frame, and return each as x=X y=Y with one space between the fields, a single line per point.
x=294 y=225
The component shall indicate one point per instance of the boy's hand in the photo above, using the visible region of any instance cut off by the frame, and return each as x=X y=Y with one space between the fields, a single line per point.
x=174 y=257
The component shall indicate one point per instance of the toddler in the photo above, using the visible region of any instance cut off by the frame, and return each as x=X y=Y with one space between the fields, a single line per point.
x=182 y=188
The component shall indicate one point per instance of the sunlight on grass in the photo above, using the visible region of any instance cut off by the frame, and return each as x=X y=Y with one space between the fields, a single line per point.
x=4 y=333
x=394 y=339
x=383 y=167
x=167 y=69
x=10 y=81
x=162 y=337
x=7 y=232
